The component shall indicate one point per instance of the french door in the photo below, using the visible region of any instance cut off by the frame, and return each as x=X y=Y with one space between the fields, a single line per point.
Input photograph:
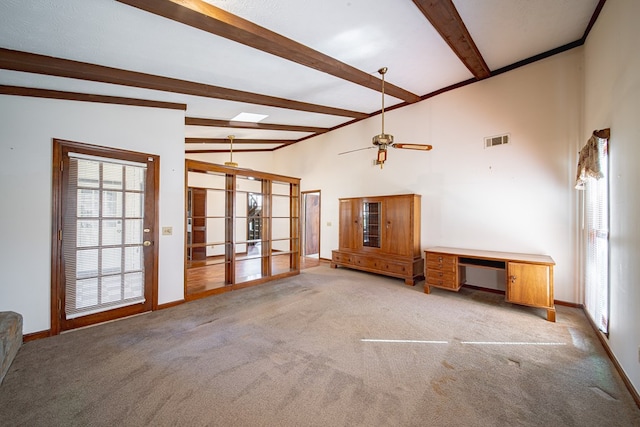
x=104 y=260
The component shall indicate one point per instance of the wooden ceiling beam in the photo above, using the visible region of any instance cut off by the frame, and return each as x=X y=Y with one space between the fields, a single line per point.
x=445 y=19
x=49 y=65
x=226 y=151
x=204 y=16
x=195 y=121
x=85 y=97
x=237 y=141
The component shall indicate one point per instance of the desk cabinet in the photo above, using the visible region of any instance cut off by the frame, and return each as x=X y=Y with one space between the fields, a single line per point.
x=529 y=284
x=381 y=234
x=529 y=277
x=443 y=272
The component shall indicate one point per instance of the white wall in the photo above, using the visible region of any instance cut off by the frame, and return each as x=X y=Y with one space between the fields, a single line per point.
x=612 y=99
x=27 y=128
x=517 y=198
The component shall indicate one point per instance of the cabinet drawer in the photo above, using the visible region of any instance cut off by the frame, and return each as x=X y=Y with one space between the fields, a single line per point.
x=395 y=267
x=381 y=265
x=340 y=258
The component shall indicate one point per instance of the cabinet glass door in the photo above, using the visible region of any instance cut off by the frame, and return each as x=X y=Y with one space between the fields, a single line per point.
x=371 y=224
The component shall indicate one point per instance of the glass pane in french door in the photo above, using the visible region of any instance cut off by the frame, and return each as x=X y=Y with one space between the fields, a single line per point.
x=103 y=235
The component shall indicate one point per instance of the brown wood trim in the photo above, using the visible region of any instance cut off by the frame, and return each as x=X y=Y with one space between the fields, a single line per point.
x=444 y=17
x=36 y=335
x=593 y=20
x=194 y=121
x=237 y=141
x=568 y=304
x=48 y=65
x=538 y=57
x=56 y=243
x=206 y=17
x=85 y=97
x=200 y=166
x=155 y=227
x=207 y=293
x=605 y=343
x=170 y=304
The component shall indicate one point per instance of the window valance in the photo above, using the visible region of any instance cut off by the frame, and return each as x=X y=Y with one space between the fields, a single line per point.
x=589 y=158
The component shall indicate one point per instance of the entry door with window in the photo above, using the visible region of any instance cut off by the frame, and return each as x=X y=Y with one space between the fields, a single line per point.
x=104 y=252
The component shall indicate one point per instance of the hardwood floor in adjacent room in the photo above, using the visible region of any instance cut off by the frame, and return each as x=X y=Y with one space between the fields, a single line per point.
x=208 y=275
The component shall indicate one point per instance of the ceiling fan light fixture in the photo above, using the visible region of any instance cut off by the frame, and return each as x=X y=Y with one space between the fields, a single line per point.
x=382 y=157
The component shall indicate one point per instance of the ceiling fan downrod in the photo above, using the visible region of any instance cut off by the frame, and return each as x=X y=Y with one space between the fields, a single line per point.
x=231 y=162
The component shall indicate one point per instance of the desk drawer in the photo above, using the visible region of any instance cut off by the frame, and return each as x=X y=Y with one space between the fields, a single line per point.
x=436 y=275
x=436 y=259
x=441 y=262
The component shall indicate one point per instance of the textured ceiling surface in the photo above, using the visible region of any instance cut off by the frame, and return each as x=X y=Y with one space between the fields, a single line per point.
x=362 y=34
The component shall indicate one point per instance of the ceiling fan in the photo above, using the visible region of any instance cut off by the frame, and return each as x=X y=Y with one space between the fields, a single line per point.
x=384 y=140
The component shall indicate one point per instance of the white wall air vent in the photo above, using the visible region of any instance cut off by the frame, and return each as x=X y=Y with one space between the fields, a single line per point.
x=492 y=141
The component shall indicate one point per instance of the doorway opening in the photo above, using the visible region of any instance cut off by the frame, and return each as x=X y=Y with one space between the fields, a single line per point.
x=310 y=228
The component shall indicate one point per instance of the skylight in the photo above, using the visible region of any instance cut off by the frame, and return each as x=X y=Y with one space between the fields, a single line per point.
x=249 y=117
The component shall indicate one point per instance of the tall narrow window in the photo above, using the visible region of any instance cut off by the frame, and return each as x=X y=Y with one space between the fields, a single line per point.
x=596 y=229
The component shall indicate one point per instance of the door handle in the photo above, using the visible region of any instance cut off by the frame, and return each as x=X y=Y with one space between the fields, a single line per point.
x=146 y=243
x=513 y=279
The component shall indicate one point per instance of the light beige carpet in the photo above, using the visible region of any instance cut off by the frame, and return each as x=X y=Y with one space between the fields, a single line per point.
x=326 y=348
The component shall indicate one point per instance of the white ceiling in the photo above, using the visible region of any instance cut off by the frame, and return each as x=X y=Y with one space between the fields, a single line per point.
x=364 y=34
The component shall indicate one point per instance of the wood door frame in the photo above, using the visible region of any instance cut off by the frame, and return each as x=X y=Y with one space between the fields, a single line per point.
x=304 y=217
x=60 y=148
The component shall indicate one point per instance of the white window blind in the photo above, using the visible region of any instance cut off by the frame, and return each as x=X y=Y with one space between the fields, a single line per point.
x=596 y=228
x=103 y=235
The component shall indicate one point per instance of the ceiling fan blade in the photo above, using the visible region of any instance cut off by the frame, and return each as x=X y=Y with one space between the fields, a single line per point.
x=423 y=147
x=357 y=149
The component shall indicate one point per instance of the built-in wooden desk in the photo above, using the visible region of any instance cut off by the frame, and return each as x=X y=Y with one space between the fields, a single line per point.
x=529 y=277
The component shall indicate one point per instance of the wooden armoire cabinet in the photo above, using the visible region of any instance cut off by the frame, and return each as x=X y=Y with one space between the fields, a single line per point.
x=381 y=234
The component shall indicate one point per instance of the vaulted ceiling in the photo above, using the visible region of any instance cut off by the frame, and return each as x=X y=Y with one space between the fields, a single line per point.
x=308 y=66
